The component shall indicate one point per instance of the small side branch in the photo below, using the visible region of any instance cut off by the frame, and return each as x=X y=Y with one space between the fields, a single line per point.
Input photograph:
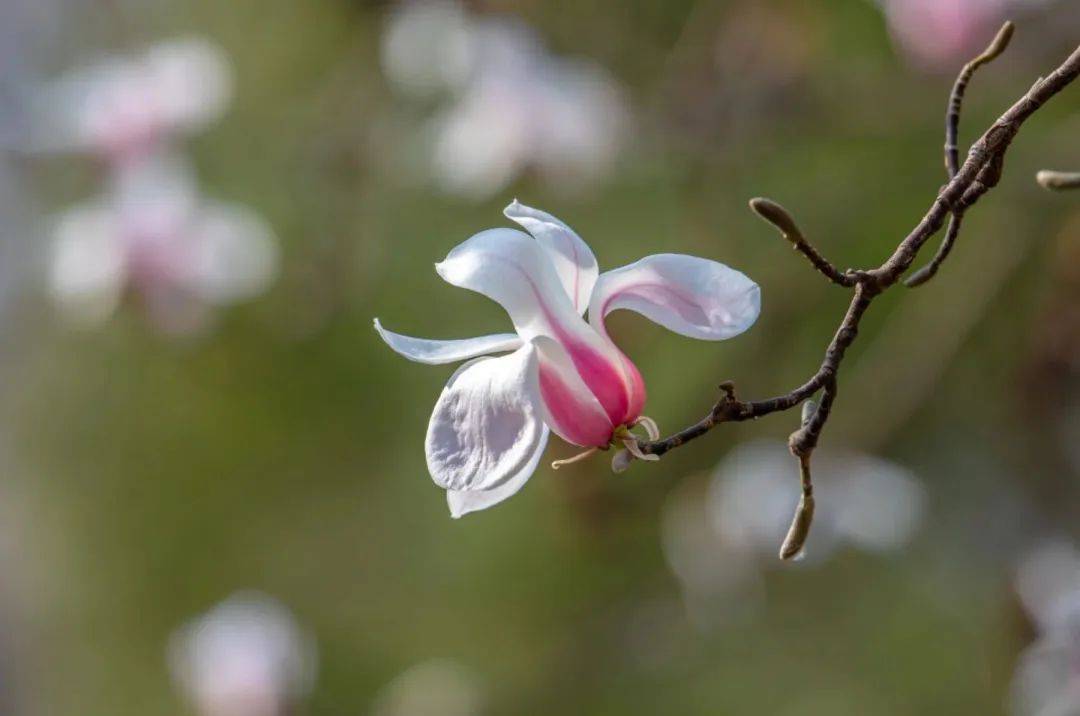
x=1058 y=181
x=930 y=270
x=952 y=152
x=956 y=97
x=776 y=215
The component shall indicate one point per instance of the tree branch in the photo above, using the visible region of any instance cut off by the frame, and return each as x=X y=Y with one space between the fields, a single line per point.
x=968 y=182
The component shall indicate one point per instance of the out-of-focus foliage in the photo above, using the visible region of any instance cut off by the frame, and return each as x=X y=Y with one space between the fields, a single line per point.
x=147 y=478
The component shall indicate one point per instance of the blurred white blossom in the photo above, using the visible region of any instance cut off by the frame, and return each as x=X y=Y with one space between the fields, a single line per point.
x=153 y=235
x=514 y=105
x=1047 y=678
x=245 y=657
x=427 y=47
x=124 y=108
x=864 y=501
x=719 y=579
x=437 y=687
x=719 y=538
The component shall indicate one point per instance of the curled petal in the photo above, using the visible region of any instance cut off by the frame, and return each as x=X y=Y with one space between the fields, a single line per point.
x=633 y=449
x=486 y=425
x=435 y=352
x=651 y=428
x=574 y=261
x=512 y=269
x=462 y=502
x=688 y=295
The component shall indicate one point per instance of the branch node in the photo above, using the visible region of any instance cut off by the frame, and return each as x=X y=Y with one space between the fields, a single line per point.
x=728 y=389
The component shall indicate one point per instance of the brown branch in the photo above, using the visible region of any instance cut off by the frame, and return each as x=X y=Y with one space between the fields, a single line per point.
x=967 y=184
x=1058 y=181
x=952 y=152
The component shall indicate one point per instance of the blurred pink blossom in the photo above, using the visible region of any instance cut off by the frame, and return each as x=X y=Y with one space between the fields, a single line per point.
x=154 y=236
x=125 y=108
x=938 y=34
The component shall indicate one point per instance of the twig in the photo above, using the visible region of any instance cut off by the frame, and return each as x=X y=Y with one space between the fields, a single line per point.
x=978 y=174
x=804 y=516
x=930 y=270
x=952 y=152
x=956 y=98
x=776 y=215
x=1058 y=181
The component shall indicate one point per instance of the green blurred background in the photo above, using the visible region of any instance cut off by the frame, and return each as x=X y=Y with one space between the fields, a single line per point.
x=145 y=478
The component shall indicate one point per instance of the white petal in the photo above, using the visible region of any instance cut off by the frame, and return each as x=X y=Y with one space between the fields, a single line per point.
x=573 y=259
x=435 y=352
x=237 y=256
x=486 y=426
x=88 y=265
x=691 y=296
x=462 y=502
x=509 y=267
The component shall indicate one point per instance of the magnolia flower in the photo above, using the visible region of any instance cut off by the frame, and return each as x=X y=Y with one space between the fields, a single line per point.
x=156 y=237
x=123 y=108
x=563 y=373
x=246 y=657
